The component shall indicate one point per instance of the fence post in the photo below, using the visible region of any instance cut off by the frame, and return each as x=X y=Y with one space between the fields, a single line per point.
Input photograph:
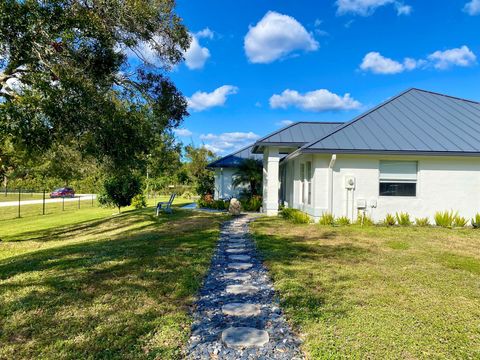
x=63 y=203
x=43 y=207
x=79 y=202
x=19 y=200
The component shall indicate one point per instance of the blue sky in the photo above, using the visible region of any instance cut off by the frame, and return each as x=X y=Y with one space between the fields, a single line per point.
x=255 y=65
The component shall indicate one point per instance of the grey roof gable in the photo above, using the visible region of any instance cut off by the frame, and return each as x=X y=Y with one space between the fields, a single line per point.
x=297 y=134
x=415 y=122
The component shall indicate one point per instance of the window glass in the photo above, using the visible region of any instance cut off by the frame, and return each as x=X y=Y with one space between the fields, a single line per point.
x=302 y=182
x=398 y=178
x=309 y=182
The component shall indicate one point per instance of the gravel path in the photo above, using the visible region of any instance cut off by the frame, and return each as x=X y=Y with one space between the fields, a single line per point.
x=237 y=315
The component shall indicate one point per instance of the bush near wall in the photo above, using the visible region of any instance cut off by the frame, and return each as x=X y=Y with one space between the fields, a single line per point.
x=208 y=202
x=295 y=216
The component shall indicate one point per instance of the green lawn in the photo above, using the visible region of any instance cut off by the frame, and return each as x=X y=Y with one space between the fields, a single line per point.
x=374 y=292
x=24 y=196
x=92 y=285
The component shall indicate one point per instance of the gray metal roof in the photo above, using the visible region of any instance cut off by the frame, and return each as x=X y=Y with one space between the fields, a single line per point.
x=235 y=159
x=297 y=134
x=416 y=122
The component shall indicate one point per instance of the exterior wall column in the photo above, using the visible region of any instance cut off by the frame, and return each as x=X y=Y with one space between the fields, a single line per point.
x=271 y=183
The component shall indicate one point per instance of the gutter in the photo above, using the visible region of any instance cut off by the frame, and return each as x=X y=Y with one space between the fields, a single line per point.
x=330 y=183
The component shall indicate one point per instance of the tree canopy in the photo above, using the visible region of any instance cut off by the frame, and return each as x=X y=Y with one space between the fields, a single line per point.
x=68 y=75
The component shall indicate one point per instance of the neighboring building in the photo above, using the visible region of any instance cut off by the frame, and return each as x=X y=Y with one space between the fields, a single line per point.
x=418 y=152
x=288 y=139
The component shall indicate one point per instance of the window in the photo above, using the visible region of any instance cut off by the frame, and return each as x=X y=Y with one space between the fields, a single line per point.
x=302 y=183
x=398 y=178
x=309 y=182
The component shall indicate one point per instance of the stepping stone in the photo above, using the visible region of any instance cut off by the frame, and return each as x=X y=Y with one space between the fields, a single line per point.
x=236 y=246
x=236 y=241
x=236 y=251
x=244 y=337
x=239 y=257
x=241 y=289
x=239 y=266
x=237 y=276
x=241 y=309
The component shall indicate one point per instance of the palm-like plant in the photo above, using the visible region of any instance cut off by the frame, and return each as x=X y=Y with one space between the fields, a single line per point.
x=249 y=173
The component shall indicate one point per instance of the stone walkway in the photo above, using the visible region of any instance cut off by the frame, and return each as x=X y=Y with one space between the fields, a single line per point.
x=237 y=315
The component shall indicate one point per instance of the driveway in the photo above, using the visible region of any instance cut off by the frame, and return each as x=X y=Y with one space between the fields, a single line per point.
x=48 y=200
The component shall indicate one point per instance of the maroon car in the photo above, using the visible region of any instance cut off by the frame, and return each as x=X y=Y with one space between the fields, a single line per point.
x=63 y=192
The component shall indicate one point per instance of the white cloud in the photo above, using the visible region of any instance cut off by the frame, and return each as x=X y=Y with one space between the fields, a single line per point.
x=462 y=56
x=196 y=56
x=441 y=60
x=205 y=33
x=228 y=142
x=472 y=7
x=183 y=132
x=275 y=37
x=318 y=100
x=284 y=123
x=368 y=7
x=200 y=100
x=378 y=64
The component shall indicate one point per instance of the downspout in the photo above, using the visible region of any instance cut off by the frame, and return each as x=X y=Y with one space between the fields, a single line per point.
x=330 y=183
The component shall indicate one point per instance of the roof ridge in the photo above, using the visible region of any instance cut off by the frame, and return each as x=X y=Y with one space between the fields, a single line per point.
x=296 y=123
x=446 y=95
x=358 y=118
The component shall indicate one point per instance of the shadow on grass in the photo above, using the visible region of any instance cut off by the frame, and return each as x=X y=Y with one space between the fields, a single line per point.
x=123 y=295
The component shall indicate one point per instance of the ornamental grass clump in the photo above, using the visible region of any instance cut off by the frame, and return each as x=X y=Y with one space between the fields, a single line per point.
x=459 y=221
x=403 y=219
x=364 y=220
x=389 y=220
x=342 y=221
x=327 y=219
x=423 y=222
x=476 y=221
x=445 y=218
x=296 y=216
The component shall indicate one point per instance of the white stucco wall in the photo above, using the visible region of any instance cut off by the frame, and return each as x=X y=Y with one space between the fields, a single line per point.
x=443 y=183
x=223 y=184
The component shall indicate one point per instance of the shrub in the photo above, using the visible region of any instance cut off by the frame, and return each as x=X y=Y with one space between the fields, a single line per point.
x=120 y=189
x=389 y=220
x=445 y=218
x=342 y=221
x=459 y=221
x=326 y=219
x=187 y=195
x=252 y=204
x=422 y=221
x=403 y=219
x=364 y=220
x=476 y=221
x=139 y=201
x=296 y=216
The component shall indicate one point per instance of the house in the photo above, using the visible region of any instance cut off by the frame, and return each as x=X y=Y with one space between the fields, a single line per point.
x=287 y=139
x=418 y=152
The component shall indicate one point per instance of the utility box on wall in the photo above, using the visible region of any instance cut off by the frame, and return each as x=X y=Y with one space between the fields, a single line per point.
x=350 y=182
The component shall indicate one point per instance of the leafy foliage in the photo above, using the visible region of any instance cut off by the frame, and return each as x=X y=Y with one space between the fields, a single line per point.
x=364 y=220
x=459 y=221
x=139 y=201
x=119 y=190
x=476 y=221
x=342 y=221
x=66 y=78
x=250 y=173
x=295 y=216
x=389 y=220
x=403 y=219
x=252 y=204
x=422 y=221
x=327 y=219
x=445 y=218
x=196 y=169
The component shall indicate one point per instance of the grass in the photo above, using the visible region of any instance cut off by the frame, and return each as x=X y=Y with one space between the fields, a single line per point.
x=92 y=285
x=24 y=196
x=377 y=292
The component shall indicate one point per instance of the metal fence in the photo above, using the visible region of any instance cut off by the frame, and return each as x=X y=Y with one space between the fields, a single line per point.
x=16 y=203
